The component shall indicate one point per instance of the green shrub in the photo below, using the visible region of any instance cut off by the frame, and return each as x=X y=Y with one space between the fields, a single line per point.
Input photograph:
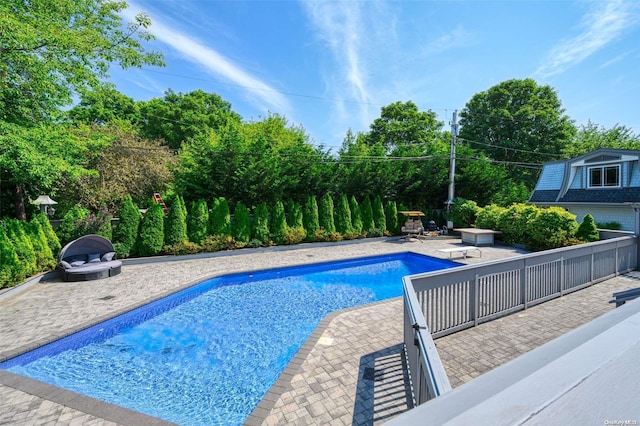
x=260 y=224
x=151 y=238
x=278 y=223
x=220 y=218
x=310 y=217
x=294 y=235
x=182 y=248
x=343 y=216
x=294 y=216
x=44 y=256
x=241 y=225
x=391 y=214
x=616 y=226
x=126 y=233
x=69 y=229
x=367 y=215
x=587 y=230
x=197 y=222
x=255 y=243
x=516 y=225
x=553 y=227
x=356 y=215
x=463 y=212
x=379 y=219
x=175 y=230
x=489 y=216
x=325 y=215
x=50 y=234
x=9 y=261
x=27 y=265
x=375 y=232
x=324 y=236
x=511 y=193
x=215 y=243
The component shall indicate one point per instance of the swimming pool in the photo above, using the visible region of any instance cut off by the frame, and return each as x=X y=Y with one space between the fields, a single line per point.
x=208 y=354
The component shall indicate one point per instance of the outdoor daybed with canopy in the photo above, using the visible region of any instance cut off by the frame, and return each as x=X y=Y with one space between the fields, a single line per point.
x=90 y=257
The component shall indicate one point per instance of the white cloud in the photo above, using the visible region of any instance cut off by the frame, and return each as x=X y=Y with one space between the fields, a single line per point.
x=456 y=38
x=604 y=24
x=213 y=62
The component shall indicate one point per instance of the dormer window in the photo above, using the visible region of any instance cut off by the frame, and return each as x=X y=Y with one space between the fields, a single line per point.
x=604 y=176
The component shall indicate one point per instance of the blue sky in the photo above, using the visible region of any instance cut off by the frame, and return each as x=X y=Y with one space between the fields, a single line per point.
x=330 y=66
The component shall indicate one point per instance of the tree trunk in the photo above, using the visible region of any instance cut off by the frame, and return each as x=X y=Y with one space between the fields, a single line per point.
x=18 y=195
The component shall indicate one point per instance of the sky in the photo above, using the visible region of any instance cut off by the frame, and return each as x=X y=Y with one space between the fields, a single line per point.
x=330 y=66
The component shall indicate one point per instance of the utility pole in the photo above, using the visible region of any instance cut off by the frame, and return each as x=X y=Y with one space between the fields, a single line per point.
x=452 y=166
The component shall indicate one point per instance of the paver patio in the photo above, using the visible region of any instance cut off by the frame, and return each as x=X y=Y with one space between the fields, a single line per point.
x=349 y=372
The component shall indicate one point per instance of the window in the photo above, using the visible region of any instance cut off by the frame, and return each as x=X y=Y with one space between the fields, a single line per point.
x=604 y=176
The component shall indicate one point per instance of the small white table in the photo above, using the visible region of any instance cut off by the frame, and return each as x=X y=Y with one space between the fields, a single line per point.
x=477 y=237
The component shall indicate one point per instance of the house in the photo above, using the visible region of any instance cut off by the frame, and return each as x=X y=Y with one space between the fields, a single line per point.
x=604 y=182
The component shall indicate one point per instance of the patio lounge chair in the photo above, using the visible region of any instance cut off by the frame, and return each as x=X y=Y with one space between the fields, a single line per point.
x=90 y=257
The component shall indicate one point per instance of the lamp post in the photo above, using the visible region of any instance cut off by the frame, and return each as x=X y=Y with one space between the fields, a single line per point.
x=46 y=205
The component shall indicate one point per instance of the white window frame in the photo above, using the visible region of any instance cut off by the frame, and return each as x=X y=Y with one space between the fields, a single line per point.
x=603 y=169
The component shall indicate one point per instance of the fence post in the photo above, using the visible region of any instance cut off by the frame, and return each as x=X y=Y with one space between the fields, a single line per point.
x=524 y=285
x=476 y=301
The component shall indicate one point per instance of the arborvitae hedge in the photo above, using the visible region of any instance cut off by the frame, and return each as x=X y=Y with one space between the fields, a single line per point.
x=343 y=216
x=52 y=238
x=278 y=223
x=587 y=230
x=391 y=214
x=356 y=215
x=126 y=232
x=367 y=215
x=151 y=238
x=260 y=224
x=294 y=216
x=197 y=222
x=325 y=215
x=23 y=247
x=176 y=227
x=379 y=220
x=220 y=223
x=9 y=261
x=241 y=225
x=44 y=256
x=310 y=217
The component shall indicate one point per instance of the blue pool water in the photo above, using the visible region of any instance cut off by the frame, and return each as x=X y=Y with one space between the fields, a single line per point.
x=208 y=354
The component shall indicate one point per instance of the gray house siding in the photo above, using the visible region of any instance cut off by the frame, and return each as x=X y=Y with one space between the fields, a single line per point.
x=566 y=184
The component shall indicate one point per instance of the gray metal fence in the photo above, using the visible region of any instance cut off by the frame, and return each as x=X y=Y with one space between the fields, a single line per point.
x=443 y=302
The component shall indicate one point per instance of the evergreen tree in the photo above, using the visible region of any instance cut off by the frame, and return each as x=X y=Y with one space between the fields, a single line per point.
x=151 y=239
x=379 y=219
x=325 y=214
x=294 y=217
x=44 y=256
x=587 y=230
x=367 y=215
x=126 y=232
x=241 y=225
x=343 y=216
x=69 y=228
x=197 y=222
x=9 y=261
x=52 y=238
x=278 y=223
x=310 y=217
x=391 y=214
x=356 y=215
x=220 y=217
x=176 y=228
x=260 y=225
x=24 y=249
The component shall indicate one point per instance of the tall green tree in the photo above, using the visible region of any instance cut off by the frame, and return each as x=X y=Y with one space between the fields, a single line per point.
x=197 y=221
x=44 y=256
x=278 y=223
x=391 y=215
x=220 y=223
x=23 y=247
x=9 y=261
x=294 y=215
x=260 y=224
x=379 y=218
x=176 y=228
x=310 y=217
x=325 y=214
x=592 y=136
x=126 y=233
x=519 y=123
x=356 y=215
x=367 y=215
x=151 y=237
x=51 y=50
x=343 y=216
x=241 y=225
x=52 y=238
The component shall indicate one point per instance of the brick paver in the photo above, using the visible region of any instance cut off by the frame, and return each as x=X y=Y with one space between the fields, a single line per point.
x=350 y=372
